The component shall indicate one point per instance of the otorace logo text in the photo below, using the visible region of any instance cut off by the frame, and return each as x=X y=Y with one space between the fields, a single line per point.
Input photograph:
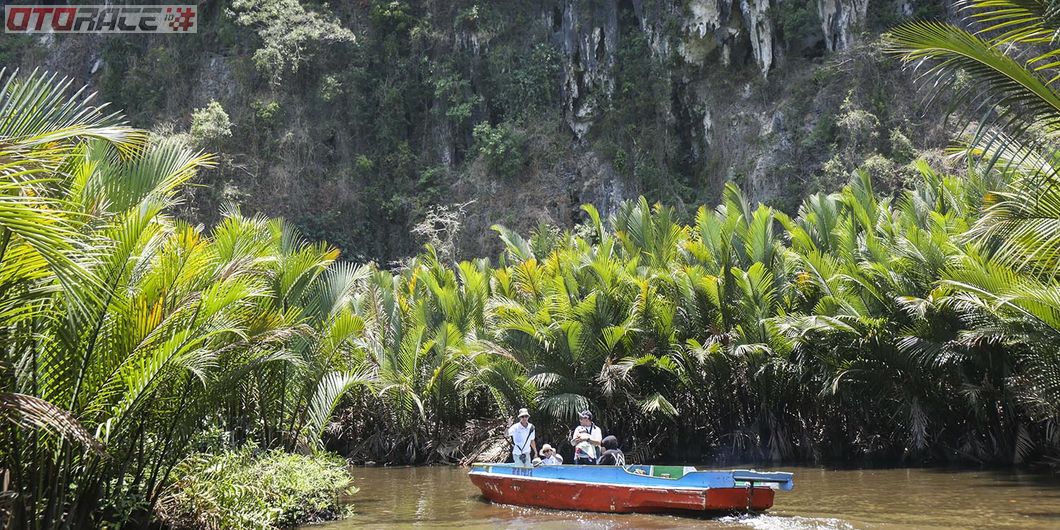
x=100 y=19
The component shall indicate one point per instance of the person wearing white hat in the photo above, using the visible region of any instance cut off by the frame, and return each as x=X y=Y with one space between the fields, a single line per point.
x=524 y=448
x=549 y=456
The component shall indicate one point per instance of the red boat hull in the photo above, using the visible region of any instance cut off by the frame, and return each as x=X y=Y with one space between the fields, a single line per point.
x=565 y=495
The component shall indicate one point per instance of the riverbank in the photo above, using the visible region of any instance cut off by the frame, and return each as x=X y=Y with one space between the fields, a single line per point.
x=896 y=498
x=248 y=489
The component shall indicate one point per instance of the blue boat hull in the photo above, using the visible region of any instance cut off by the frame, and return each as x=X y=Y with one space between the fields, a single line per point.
x=629 y=488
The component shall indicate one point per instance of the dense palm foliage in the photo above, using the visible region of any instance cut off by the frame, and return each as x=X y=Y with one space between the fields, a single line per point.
x=1005 y=61
x=126 y=331
x=849 y=331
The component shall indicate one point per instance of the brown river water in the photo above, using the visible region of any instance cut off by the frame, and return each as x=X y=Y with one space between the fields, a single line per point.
x=443 y=497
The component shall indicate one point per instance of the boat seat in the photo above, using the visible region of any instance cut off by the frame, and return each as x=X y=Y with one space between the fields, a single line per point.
x=670 y=472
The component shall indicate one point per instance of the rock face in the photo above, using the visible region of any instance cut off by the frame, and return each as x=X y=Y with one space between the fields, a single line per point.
x=759 y=31
x=587 y=33
x=840 y=20
x=725 y=32
x=720 y=56
x=711 y=26
x=665 y=98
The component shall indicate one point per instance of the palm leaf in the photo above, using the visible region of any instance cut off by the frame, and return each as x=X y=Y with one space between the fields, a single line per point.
x=32 y=412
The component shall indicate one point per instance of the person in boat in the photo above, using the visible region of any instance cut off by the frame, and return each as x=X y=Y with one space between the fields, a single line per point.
x=549 y=456
x=524 y=448
x=586 y=439
x=612 y=456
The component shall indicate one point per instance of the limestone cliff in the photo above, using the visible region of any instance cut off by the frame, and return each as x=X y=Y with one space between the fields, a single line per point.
x=526 y=109
x=840 y=21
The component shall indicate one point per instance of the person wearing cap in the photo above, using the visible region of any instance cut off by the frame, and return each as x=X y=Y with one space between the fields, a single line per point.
x=524 y=448
x=586 y=439
x=549 y=456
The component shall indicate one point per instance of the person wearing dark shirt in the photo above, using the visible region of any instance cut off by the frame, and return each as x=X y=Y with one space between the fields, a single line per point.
x=613 y=456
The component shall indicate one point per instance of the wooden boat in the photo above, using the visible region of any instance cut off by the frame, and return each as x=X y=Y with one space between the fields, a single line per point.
x=624 y=489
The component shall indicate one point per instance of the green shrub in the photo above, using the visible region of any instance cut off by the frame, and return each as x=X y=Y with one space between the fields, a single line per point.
x=454 y=92
x=330 y=88
x=291 y=35
x=887 y=175
x=525 y=81
x=797 y=20
x=14 y=47
x=902 y=149
x=364 y=165
x=210 y=124
x=860 y=127
x=240 y=490
x=823 y=133
x=392 y=16
x=265 y=111
x=501 y=147
x=832 y=174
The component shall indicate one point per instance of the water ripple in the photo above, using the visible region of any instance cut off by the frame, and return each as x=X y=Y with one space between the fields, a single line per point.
x=778 y=522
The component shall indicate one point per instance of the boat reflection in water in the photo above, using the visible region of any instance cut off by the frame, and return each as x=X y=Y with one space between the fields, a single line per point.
x=624 y=489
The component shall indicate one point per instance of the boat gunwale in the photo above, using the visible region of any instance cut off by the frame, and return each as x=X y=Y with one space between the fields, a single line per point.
x=490 y=474
x=788 y=475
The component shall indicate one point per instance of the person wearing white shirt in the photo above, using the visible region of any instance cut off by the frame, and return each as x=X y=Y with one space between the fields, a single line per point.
x=522 y=435
x=586 y=439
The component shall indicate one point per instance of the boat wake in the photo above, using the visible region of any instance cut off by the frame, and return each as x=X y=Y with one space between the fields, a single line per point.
x=780 y=522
